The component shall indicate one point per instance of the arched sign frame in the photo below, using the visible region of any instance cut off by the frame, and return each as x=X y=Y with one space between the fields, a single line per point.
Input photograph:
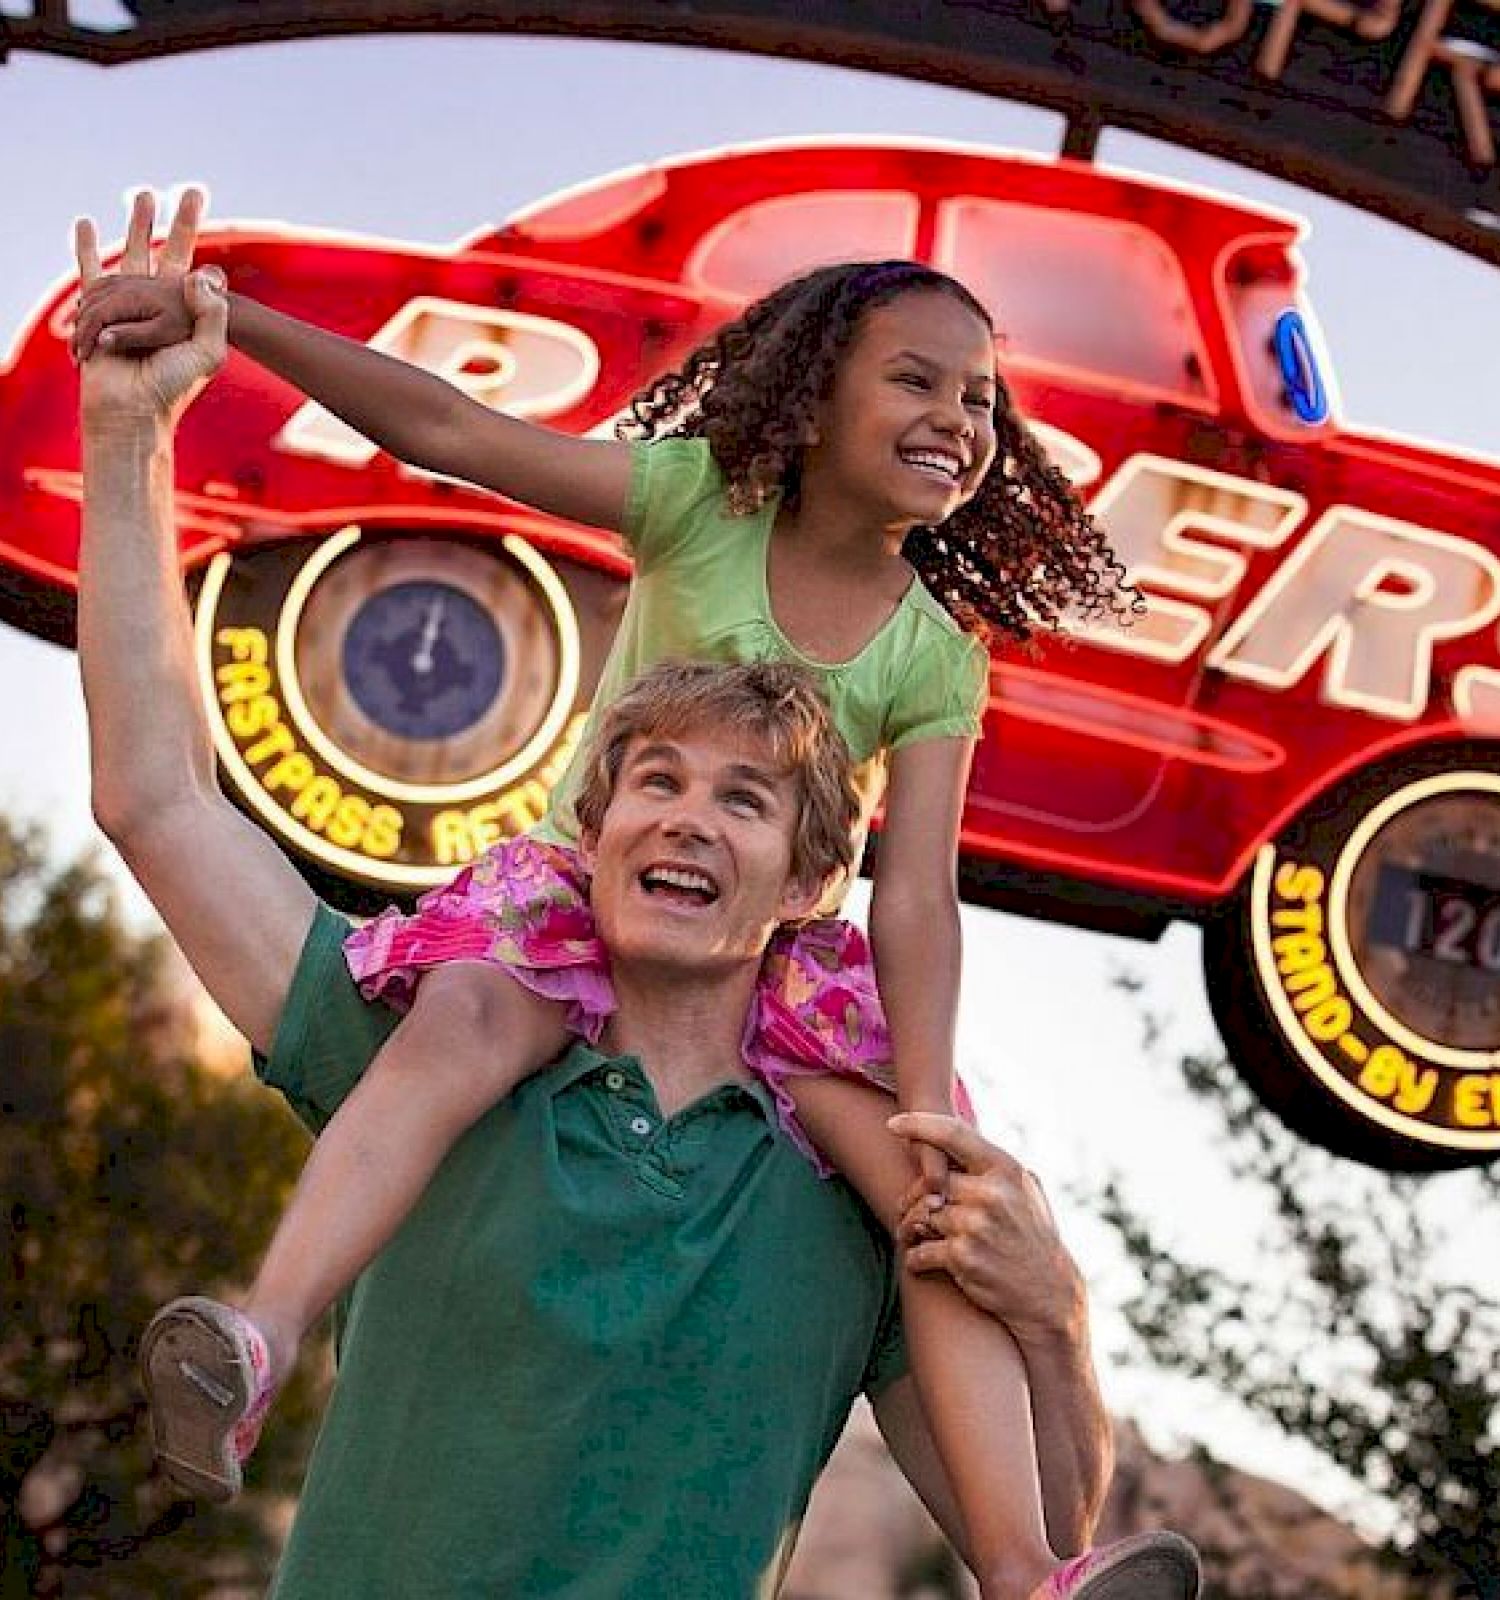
x=1385 y=104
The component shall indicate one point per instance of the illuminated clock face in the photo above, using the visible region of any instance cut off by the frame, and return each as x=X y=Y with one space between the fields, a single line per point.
x=426 y=666
x=1425 y=919
x=423 y=660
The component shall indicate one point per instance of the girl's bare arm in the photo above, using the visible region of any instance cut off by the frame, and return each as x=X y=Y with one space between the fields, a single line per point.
x=914 y=925
x=409 y=413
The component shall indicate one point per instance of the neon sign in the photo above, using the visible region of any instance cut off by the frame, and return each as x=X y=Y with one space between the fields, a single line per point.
x=1321 y=603
x=1371 y=596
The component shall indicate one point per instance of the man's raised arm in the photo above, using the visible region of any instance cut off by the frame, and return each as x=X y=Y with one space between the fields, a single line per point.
x=229 y=897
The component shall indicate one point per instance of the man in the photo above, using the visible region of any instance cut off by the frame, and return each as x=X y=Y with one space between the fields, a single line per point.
x=611 y=1349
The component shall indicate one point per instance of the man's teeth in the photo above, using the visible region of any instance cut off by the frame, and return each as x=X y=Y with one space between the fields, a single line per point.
x=949 y=466
x=680 y=878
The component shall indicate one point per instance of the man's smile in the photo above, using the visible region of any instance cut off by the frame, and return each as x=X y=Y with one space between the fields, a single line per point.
x=678 y=884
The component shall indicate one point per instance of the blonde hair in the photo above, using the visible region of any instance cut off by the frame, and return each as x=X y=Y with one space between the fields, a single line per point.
x=773 y=700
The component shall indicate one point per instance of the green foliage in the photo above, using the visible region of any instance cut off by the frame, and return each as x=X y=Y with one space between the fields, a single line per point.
x=1353 y=1341
x=129 y=1173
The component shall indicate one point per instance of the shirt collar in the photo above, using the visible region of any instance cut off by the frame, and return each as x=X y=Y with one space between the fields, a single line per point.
x=582 y=1060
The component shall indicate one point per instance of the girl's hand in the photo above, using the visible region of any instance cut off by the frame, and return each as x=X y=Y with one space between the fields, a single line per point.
x=932 y=1170
x=158 y=386
x=131 y=315
x=929 y=1160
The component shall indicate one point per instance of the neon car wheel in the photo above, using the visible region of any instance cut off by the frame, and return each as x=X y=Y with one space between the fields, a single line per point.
x=1356 y=980
x=391 y=705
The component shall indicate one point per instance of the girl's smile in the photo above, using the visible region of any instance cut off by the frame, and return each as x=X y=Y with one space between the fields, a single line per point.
x=908 y=429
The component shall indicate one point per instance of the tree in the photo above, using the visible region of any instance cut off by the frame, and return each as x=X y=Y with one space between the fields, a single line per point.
x=1359 y=1344
x=129 y=1172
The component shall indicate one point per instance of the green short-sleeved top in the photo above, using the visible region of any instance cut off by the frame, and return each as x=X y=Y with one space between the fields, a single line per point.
x=604 y=1358
x=700 y=594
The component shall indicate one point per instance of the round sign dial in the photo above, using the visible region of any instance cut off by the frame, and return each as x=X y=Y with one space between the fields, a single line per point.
x=1424 y=920
x=426 y=662
x=423 y=660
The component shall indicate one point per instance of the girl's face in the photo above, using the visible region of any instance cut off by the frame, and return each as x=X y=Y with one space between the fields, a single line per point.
x=909 y=427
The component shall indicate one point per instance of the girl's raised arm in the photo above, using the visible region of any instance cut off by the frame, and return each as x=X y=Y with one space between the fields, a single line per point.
x=426 y=422
x=409 y=413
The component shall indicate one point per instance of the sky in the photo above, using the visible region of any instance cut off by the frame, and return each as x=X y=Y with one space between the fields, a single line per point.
x=427 y=140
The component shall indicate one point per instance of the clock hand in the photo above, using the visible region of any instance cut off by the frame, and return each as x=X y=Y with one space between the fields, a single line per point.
x=422 y=660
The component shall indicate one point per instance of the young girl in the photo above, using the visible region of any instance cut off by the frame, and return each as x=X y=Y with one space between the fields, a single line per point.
x=838 y=478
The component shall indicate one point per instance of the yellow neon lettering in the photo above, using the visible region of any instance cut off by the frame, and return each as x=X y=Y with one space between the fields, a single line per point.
x=1294 y=882
x=1295 y=952
x=383 y=833
x=462 y=835
x=1308 y=920
x=1328 y=1021
x=317 y=802
x=242 y=680
x=485 y=824
x=1415 y=1092
x=244 y=644
x=1311 y=987
x=1372 y=595
x=279 y=741
x=292 y=772
x=532 y=803
x=1390 y=1075
x=248 y=718
x=1381 y=1074
x=452 y=838
x=347 y=825
x=1474 y=1101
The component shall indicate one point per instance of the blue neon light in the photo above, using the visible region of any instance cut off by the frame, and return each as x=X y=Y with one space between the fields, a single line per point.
x=1299 y=368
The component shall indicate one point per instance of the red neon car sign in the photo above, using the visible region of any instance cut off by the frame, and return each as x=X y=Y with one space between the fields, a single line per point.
x=1319 y=645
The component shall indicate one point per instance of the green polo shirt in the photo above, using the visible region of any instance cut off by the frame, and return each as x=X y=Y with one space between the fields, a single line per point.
x=607 y=1354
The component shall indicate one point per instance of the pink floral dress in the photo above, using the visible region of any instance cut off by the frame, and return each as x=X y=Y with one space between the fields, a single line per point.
x=524 y=906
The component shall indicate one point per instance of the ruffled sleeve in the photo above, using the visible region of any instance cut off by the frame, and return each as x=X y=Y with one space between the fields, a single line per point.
x=671 y=483
x=944 y=693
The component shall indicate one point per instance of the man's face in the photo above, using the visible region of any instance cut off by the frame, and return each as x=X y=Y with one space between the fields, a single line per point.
x=692 y=866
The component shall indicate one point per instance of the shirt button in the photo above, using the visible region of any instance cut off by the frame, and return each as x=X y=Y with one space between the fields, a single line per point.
x=614 y=1081
x=640 y=1126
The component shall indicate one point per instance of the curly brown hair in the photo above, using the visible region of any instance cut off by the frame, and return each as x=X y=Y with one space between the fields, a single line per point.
x=1016 y=557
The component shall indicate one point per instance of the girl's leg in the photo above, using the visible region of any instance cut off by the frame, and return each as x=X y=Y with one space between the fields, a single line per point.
x=471 y=1036
x=969 y=1371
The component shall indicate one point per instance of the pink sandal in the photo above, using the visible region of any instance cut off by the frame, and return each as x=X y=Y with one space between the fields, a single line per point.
x=1149 y=1566
x=207 y=1372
